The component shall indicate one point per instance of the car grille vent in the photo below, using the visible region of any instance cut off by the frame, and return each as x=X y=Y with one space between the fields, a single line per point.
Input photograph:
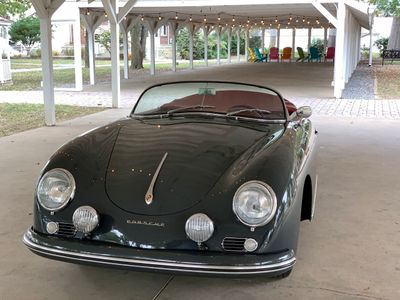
x=66 y=229
x=233 y=244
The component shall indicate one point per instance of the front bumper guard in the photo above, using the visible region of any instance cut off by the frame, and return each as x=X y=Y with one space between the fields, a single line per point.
x=185 y=262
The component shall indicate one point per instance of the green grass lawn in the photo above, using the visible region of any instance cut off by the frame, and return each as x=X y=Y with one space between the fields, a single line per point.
x=20 y=117
x=25 y=81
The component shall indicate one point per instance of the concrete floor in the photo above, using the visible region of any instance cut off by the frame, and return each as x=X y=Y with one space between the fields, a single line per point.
x=350 y=251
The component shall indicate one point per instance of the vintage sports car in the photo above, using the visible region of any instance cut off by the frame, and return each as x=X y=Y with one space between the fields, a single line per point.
x=202 y=178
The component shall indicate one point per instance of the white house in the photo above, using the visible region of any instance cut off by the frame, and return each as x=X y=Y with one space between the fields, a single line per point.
x=5 y=64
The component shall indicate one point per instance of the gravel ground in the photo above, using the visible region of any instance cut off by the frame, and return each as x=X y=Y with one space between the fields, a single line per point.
x=361 y=84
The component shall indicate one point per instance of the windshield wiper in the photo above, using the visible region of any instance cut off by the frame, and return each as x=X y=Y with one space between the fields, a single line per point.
x=172 y=111
x=261 y=112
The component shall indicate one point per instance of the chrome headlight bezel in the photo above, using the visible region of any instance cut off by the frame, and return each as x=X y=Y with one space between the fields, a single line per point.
x=261 y=187
x=70 y=193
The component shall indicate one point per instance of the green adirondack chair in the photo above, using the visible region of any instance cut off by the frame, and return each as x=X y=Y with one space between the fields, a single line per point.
x=300 y=52
x=314 y=54
x=259 y=55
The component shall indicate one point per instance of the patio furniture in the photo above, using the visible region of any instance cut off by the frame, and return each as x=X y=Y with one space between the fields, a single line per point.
x=391 y=55
x=274 y=54
x=300 y=52
x=330 y=54
x=259 y=56
x=314 y=54
x=252 y=56
x=286 y=54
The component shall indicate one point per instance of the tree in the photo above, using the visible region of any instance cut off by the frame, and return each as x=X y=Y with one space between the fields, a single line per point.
x=13 y=7
x=104 y=39
x=138 y=46
x=391 y=8
x=26 y=31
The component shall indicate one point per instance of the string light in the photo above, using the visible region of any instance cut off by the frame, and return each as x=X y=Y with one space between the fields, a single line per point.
x=87 y=12
x=159 y=17
x=304 y=19
x=276 y=19
x=142 y=18
x=248 y=20
x=205 y=18
x=190 y=18
x=233 y=18
x=105 y=14
x=176 y=16
x=219 y=18
x=290 y=17
x=297 y=20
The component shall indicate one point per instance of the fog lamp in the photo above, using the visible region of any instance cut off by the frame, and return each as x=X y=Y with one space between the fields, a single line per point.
x=199 y=228
x=250 y=245
x=85 y=219
x=52 y=227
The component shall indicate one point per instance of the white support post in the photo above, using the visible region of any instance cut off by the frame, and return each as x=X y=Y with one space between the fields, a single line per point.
x=338 y=80
x=370 y=47
x=293 y=42
x=115 y=69
x=325 y=38
x=263 y=41
x=229 y=32
x=173 y=26
x=219 y=45
x=246 y=45
x=238 y=44
x=309 y=39
x=206 y=31
x=192 y=29
x=48 y=76
x=44 y=10
x=126 y=54
x=91 y=22
x=278 y=38
x=152 y=53
x=77 y=53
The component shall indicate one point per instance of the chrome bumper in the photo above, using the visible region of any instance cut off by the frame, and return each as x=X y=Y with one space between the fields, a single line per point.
x=174 y=262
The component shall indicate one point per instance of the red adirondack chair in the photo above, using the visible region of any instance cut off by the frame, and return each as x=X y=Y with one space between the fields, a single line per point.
x=330 y=54
x=274 y=54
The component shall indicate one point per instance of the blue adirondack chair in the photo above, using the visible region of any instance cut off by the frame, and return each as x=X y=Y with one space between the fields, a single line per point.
x=259 y=55
x=314 y=54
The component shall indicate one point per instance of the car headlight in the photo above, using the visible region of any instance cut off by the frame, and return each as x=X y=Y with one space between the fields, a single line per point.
x=55 y=189
x=254 y=203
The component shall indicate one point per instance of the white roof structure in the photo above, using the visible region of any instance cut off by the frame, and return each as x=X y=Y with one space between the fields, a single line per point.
x=231 y=16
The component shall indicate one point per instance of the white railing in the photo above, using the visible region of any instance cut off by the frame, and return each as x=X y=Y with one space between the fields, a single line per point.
x=5 y=70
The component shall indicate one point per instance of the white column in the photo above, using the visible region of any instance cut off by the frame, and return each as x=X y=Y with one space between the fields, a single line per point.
x=370 y=47
x=238 y=44
x=246 y=46
x=263 y=40
x=229 y=32
x=219 y=46
x=309 y=39
x=325 y=38
x=115 y=69
x=339 y=51
x=174 y=51
x=205 y=46
x=92 y=59
x=293 y=42
x=125 y=51
x=152 y=53
x=77 y=53
x=47 y=66
x=191 y=50
x=278 y=38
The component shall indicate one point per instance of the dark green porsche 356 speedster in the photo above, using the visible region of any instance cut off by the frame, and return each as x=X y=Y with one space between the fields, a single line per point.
x=202 y=178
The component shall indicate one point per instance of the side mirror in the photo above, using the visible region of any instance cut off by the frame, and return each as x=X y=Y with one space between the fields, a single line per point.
x=304 y=112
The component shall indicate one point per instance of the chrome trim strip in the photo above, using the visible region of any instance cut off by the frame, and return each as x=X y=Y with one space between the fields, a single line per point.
x=149 y=195
x=158 y=265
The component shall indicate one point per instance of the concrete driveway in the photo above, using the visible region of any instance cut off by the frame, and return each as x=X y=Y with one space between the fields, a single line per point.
x=350 y=251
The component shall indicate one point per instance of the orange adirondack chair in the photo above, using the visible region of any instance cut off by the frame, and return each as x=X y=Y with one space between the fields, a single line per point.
x=274 y=54
x=330 y=54
x=286 y=54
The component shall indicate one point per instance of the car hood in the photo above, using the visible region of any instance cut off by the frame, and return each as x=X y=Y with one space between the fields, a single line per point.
x=199 y=152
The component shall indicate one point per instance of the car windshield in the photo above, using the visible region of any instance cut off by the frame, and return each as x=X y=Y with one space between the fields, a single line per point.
x=225 y=99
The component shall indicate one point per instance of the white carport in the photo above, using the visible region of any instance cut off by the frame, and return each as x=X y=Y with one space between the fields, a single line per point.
x=233 y=17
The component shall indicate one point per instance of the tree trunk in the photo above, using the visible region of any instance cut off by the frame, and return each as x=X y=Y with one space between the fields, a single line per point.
x=138 y=46
x=394 y=39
